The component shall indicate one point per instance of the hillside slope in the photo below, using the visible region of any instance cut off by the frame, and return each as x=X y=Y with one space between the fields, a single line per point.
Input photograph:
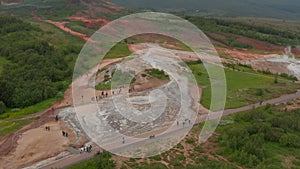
x=283 y=9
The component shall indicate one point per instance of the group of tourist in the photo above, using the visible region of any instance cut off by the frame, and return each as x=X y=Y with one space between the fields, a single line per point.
x=152 y=137
x=105 y=94
x=65 y=134
x=184 y=122
x=86 y=149
x=47 y=128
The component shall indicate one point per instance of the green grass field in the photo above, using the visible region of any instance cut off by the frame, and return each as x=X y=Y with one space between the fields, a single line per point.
x=103 y=86
x=243 y=88
x=11 y=114
x=8 y=127
x=10 y=121
x=119 y=50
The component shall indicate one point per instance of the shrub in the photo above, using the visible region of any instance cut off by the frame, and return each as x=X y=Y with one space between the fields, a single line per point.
x=290 y=140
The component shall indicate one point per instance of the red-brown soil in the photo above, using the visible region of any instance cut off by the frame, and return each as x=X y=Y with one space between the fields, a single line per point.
x=62 y=26
x=256 y=44
x=112 y=6
x=89 y=22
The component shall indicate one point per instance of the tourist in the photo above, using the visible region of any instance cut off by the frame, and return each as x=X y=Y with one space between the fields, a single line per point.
x=67 y=134
x=90 y=148
x=63 y=133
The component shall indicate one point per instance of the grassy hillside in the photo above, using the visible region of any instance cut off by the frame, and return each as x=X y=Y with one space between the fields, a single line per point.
x=60 y=10
x=283 y=9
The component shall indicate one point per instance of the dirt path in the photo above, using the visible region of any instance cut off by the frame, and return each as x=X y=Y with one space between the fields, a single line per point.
x=62 y=26
x=89 y=22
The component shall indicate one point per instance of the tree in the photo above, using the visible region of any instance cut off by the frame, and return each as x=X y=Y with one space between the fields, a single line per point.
x=276 y=79
x=103 y=161
x=2 y=107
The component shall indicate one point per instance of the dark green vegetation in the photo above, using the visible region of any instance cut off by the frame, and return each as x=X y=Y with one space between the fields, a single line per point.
x=283 y=9
x=282 y=24
x=262 y=138
x=260 y=32
x=243 y=88
x=159 y=74
x=36 y=68
x=101 y=161
x=60 y=10
x=2 y=107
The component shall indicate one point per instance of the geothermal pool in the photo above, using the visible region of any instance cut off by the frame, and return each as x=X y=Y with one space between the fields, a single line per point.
x=293 y=65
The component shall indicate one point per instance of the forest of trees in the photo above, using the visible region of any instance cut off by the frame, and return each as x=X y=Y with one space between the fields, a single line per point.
x=35 y=71
x=245 y=141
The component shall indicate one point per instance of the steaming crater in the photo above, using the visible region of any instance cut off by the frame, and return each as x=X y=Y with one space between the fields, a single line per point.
x=293 y=65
